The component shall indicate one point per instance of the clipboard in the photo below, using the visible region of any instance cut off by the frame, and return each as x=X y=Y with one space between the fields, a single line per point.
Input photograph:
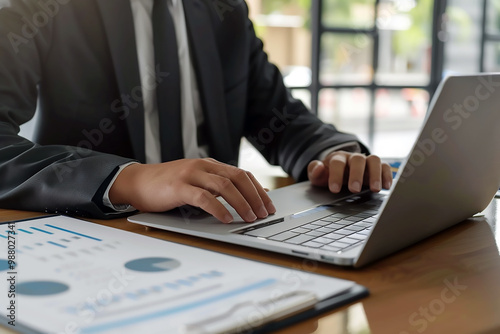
x=70 y=274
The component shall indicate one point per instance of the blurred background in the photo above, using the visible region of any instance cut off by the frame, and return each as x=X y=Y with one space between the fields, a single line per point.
x=371 y=66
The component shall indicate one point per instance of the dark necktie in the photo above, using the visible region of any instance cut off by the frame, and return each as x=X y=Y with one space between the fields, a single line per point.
x=168 y=91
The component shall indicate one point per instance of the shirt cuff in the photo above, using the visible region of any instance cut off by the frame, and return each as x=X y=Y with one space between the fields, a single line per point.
x=351 y=146
x=107 y=202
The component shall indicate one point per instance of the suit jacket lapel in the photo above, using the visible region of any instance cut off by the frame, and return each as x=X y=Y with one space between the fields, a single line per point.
x=209 y=74
x=119 y=24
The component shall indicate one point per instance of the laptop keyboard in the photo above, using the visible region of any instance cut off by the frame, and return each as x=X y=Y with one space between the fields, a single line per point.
x=347 y=227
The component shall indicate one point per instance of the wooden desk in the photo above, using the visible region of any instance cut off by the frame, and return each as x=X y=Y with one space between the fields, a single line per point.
x=449 y=283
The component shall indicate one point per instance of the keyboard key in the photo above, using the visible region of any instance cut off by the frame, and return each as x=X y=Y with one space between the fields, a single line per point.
x=358 y=236
x=340 y=215
x=363 y=224
x=364 y=232
x=350 y=241
x=320 y=223
x=340 y=245
x=325 y=229
x=354 y=219
x=315 y=233
x=283 y=236
x=331 y=248
x=330 y=219
x=354 y=228
x=300 y=230
x=323 y=240
x=344 y=222
x=363 y=215
x=344 y=232
x=300 y=239
x=312 y=244
x=334 y=236
x=335 y=226
x=370 y=220
x=310 y=226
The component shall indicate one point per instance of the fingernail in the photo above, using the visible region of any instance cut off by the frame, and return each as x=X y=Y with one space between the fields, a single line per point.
x=335 y=188
x=377 y=186
x=250 y=216
x=356 y=186
x=271 y=208
x=262 y=212
x=388 y=184
x=314 y=168
x=228 y=219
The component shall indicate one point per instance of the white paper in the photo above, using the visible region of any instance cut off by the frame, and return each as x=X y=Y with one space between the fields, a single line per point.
x=74 y=276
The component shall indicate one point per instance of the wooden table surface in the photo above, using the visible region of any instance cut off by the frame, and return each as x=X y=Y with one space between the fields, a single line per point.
x=449 y=283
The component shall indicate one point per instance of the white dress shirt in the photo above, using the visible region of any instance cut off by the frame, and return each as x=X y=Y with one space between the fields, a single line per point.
x=191 y=112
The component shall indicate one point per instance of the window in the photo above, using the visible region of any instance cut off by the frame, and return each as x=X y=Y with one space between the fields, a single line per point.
x=490 y=36
x=373 y=65
x=376 y=64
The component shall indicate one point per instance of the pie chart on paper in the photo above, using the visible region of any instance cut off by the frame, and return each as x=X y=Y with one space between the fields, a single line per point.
x=41 y=288
x=153 y=264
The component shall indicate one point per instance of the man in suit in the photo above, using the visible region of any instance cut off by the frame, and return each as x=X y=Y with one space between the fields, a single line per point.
x=133 y=97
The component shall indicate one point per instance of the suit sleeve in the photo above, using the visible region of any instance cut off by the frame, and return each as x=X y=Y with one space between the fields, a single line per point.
x=278 y=125
x=53 y=179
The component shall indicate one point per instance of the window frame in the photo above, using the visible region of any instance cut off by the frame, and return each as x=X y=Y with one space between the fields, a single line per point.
x=318 y=29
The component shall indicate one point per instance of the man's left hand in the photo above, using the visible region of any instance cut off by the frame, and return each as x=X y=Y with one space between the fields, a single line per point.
x=353 y=169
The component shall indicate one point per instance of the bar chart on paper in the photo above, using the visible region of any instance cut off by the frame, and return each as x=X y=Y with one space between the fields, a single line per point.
x=102 y=280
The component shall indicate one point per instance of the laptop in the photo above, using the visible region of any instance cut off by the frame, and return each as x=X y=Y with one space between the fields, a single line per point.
x=452 y=173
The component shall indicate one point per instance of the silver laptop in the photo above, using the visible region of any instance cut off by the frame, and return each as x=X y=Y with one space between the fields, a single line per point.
x=452 y=173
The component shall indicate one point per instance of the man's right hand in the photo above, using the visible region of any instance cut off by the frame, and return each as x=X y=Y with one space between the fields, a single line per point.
x=197 y=182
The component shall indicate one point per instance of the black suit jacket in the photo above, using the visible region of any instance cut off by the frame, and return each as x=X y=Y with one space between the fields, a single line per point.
x=77 y=60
